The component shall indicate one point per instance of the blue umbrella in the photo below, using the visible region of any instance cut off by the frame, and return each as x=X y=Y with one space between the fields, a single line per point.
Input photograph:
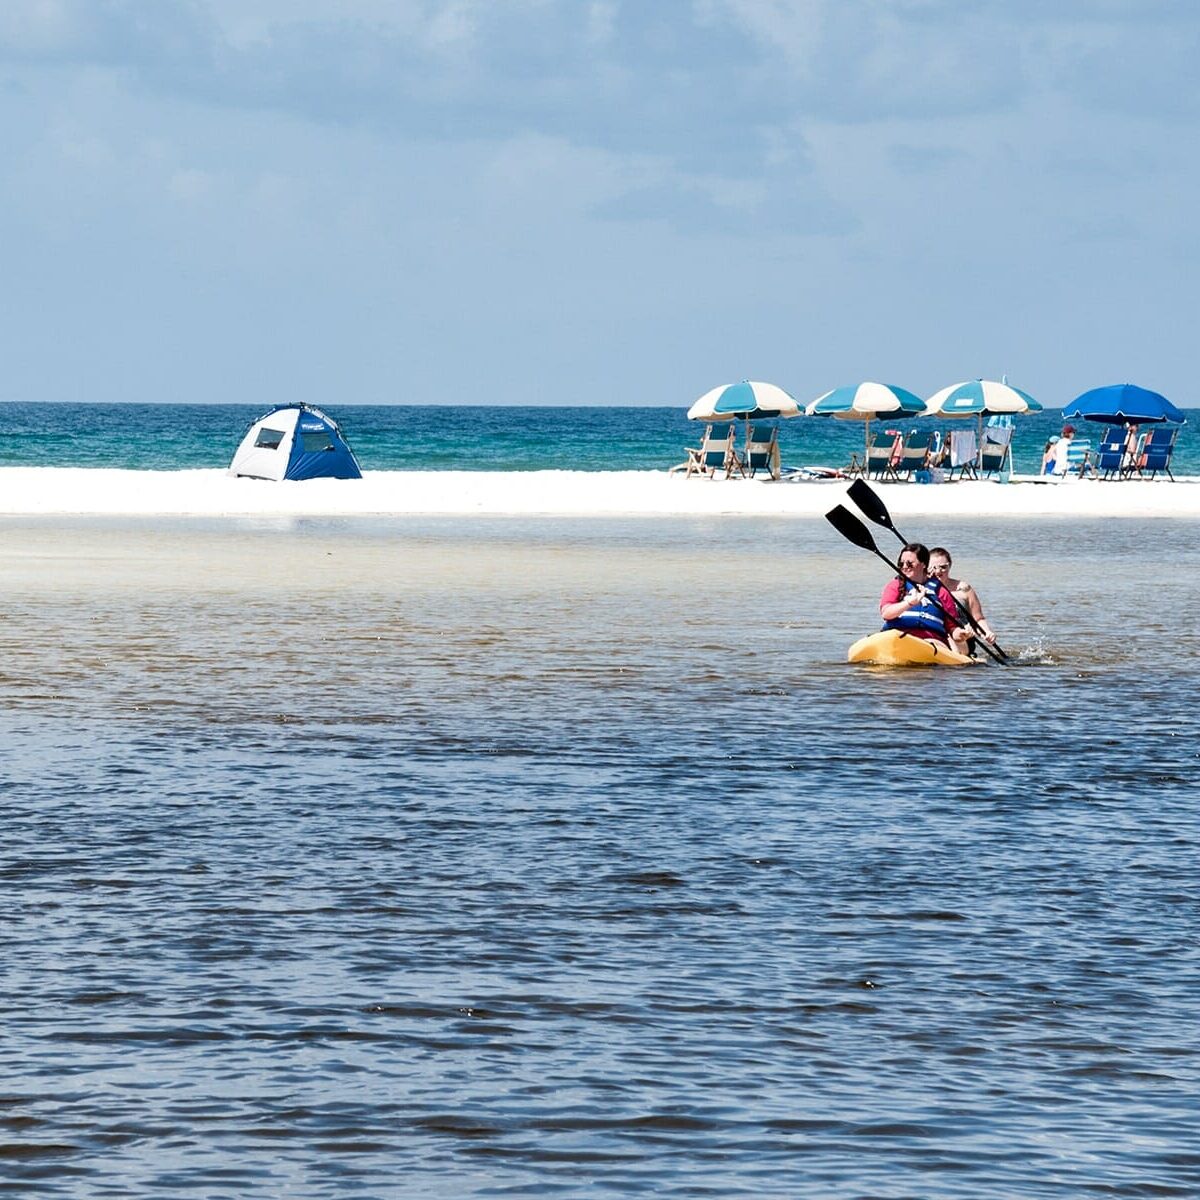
x=1123 y=404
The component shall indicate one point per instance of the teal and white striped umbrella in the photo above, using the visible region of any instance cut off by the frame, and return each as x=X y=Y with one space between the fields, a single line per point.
x=980 y=398
x=747 y=400
x=865 y=401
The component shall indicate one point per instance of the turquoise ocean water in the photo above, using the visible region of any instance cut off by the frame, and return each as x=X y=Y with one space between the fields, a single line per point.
x=394 y=438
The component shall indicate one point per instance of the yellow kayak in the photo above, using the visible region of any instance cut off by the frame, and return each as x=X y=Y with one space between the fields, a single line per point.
x=893 y=648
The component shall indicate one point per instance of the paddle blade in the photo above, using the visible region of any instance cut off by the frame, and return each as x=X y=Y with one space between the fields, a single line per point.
x=851 y=528
x=873 y=508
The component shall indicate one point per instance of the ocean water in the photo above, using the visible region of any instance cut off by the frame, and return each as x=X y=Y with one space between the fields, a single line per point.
x=166 y=437
x=569 y=858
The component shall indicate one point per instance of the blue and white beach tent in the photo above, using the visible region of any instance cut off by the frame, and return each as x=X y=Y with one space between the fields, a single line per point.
x=295 y=441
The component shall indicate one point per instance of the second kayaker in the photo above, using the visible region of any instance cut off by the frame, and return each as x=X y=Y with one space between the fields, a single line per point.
x=940 y=563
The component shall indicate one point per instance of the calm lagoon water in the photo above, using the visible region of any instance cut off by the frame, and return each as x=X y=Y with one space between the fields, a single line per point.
x=505 y=858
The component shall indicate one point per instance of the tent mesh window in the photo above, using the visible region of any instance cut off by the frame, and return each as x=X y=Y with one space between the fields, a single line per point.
x=314 y=443
x=268 y=439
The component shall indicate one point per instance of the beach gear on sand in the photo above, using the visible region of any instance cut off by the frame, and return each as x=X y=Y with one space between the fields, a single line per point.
x=762 y=450
x=1156 y=453
x=895 y=648
x=716 y=452
x=295 y=441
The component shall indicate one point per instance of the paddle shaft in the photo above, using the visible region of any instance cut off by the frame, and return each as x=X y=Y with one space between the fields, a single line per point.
x=868 y=500
x=853 y=530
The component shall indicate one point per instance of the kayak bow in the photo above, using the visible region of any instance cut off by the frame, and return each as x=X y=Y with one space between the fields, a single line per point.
x=895 y=648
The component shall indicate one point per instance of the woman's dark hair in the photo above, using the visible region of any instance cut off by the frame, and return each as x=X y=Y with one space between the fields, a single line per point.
x=920 y=550
x=943 y=552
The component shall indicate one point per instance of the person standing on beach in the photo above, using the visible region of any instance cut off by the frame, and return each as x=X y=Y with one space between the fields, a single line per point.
x=917 y=604
x=940 y=563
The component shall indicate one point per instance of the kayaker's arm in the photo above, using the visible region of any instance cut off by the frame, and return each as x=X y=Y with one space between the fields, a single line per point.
x=974 y=606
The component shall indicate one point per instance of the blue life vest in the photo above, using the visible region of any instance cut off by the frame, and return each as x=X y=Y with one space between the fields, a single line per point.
x=924 y=616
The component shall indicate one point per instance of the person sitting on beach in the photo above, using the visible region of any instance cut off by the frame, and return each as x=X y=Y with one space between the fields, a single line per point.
x=940 y=563
x=920 y=605
x=1054 y=460
x=1131 y=449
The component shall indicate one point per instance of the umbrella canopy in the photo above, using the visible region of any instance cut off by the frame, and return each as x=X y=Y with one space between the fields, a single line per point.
x=746 y=400
x=1123 y=404
x=980 y=398
x=865 y=401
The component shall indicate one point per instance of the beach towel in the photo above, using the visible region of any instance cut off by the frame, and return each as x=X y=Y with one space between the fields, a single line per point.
x=963 y=447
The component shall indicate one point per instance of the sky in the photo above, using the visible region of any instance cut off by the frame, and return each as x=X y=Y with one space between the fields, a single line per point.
x=594 y=201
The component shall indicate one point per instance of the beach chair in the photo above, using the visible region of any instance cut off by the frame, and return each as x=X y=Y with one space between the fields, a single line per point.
x=1156 y=451
x=692 y=455
x=882 y=451
x=914 y=455
x=762 y=450
x=716 y=453
x=964 y=454
x=995 y=451
x=1079 y=457
x=1112 y=459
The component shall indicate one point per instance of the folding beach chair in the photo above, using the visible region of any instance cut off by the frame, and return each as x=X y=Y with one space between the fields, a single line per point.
x=1156 y=453
x=996 y=450
x=1079 y=457
x=882 y=450
x=964 y=453
x=914 y=455
x=762 y=450
x=716 y=453
x=1112 y=459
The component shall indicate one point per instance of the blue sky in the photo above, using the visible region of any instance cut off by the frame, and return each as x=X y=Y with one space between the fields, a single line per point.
x=594 y=201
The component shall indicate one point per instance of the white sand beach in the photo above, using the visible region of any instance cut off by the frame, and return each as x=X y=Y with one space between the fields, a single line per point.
x=33 y=491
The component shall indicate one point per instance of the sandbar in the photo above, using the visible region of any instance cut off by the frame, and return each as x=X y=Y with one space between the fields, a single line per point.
x=50 y=491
